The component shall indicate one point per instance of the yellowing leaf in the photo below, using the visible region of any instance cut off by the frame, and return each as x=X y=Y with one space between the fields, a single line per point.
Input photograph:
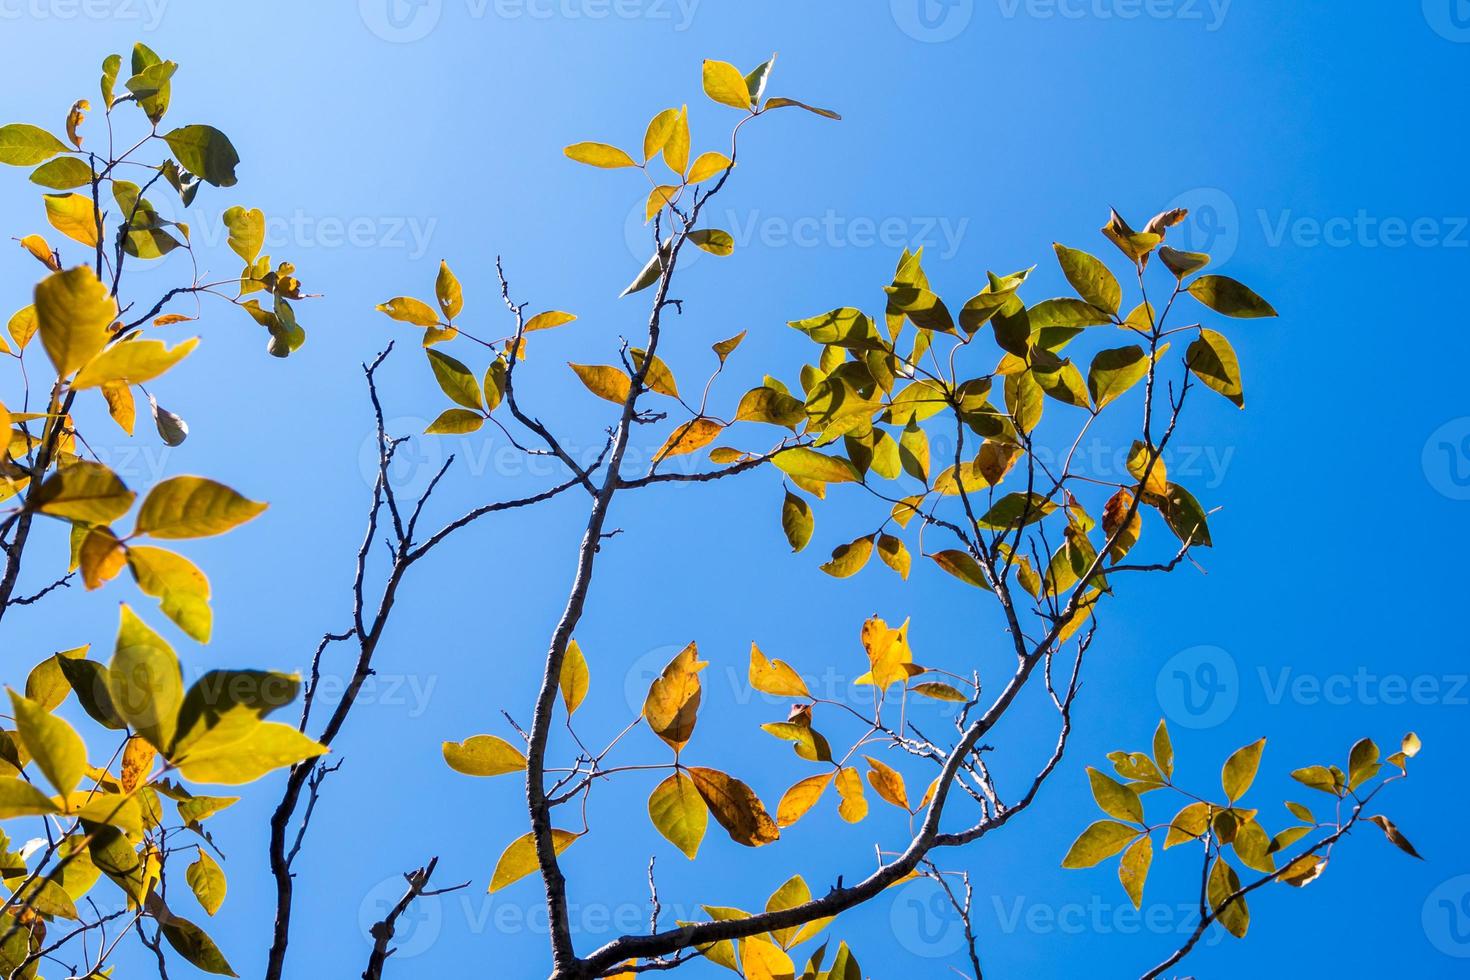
x=707 y=165
x=207 y=880
x=724 y=83
x=84 y=491
x=849 y=559
x=599 y=155
x=854 y=804
x=672 y=705
x=193 y=507
x=519 y=859
x=1133 y=869
x=547 y=320
x=181 y=588
x=736 y=807
x=132 y=362
x=47 y=684
x=41 y=249
x=1240 y=769
x=660 y=128
x=775 y=676
x=22 y=145
x=604 y=381
x=888 y=783
x=455 y=422
x=800 y=798
x=763 y=960
x=406 y=309
x=1097 y=843
x=1213 y=361
x=448 y=292
x=679 y=813
x=144 y=681
x=575 y=677
x=247 y=231
x=894 y=554
x=890 y=658
x=796 y=521
x=484 y=755
x=137 y=763
x=690 y=437
x=52 y=743
x=72 y=313
x=676 y=147
x=1115 y=799
x=270 y=746
x=74 y=216
x=455 y=380
x=19 y=798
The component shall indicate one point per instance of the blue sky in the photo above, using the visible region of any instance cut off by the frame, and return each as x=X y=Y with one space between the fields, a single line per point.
x=1320 y=153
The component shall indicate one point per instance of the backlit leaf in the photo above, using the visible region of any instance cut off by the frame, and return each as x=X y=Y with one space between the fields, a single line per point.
x=484 y=755
x=679 y=813
x=193 y=507
x=736 y=807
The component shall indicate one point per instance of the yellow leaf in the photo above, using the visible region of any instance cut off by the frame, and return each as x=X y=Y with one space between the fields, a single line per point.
x=19 y=798
x=137 y=762
x=889 y=784
x=74 y=216
x=724 y=83
x=854 y=804
x=849 y=559
x=51 y=742
x=100 y=557
x=889 y=656
x=604 y=381
x=73 y=312
x=672 y=705
x=484 y=755
x=144 y=681
x=708 y=165
x=658 y=377
x=74 y=120
x=406 y=309
x=519 y=859
x=547 y=320
x=41 y=249
x=247 y=231
x=736 y=807
x=269 y=746
x=84 y=491
x=676 y=149
x=47 y=684
x=132 y=362
x=448 y=292
x=679 y=813
x=762 y=960
x=792 y=893
x=207 y=881
x=599 y=155
x=575 y=677
x=120 y=405
x=660 y=128
x=659 y=198
x=690 y=437
x=193 y=507
x=800 y=798
x=775 y=676
x=455 y=422
x=181 y=588
x=22 y=326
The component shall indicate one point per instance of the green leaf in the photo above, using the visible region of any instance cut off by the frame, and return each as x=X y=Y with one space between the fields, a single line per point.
x=1182 y=263
x=63 y=174
x=1017 y=508
x=1098 y=843
x=1184 y=515
x=1319 y=778
x=207 y=880
x=679 y=813
x=1223 y=883
x=1240 y=769
x=455 y=380
x=205 y=151
x=51 y=742
x=1224 y=295
x=962 y=566
x=23 y=145
x=193 y=507
x=484 y=755
x=1113 y=798
x=1093 y=281
x=1213 y=361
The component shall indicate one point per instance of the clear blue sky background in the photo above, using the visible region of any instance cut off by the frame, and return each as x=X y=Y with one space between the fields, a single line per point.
x=1323 y=152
